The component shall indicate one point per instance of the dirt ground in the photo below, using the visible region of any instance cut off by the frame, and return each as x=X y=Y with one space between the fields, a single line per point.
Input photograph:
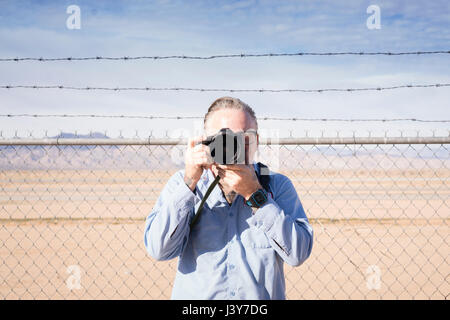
x=393 y=222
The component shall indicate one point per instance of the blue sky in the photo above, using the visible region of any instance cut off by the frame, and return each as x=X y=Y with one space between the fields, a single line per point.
x=130 y=28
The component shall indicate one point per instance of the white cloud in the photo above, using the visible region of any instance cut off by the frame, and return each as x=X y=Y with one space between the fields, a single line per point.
x=141 y=28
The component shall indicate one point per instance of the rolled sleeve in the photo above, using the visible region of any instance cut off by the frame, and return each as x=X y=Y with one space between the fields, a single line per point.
x=167 y=226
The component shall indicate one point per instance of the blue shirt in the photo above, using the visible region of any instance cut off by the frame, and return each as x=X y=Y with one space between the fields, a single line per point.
x=233 y=251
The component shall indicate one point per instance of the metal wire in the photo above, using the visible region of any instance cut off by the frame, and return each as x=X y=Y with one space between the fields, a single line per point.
x=263 y=118
x=76 y=211
x=151 y=141
x=88 y=88
x=220 y=56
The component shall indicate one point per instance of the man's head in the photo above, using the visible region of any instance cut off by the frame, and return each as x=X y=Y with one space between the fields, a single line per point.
x=232 y=113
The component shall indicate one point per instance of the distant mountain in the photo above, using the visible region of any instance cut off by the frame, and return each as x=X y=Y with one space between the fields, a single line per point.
x=288 y=157
x=93 y=135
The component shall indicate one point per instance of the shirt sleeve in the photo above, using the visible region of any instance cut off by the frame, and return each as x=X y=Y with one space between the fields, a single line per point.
x=285 y=223
x=167 y=226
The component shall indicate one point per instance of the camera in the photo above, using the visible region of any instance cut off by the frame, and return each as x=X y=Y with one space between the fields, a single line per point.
x=227 y=147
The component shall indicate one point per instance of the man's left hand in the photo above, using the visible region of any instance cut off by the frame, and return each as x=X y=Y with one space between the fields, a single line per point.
x=240 y=177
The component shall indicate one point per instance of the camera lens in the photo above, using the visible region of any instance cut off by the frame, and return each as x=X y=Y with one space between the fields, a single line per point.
x=228 y=147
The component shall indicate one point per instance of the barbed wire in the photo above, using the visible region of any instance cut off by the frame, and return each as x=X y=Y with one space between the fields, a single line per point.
x=150 y=117
x=220 y=56
x=87 y=88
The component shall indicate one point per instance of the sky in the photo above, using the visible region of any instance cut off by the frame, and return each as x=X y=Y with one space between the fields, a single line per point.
x=166 y=27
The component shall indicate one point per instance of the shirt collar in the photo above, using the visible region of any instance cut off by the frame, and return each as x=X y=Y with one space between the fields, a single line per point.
x=216 y=198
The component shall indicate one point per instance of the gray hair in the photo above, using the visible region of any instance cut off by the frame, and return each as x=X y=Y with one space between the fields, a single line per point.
x=230 y=103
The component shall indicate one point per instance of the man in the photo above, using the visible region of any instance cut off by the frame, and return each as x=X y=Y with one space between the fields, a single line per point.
x=236 y=248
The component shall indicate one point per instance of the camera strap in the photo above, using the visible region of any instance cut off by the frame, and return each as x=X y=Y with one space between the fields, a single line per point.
x=208 y=192
x=263 y=179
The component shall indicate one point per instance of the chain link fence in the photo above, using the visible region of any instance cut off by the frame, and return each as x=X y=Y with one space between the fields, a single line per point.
x=72 y=214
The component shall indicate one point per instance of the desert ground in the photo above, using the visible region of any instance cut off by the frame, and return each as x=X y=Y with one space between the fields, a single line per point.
x=395 y=222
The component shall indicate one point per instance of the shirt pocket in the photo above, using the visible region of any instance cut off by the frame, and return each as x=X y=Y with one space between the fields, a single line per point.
x=255 y=238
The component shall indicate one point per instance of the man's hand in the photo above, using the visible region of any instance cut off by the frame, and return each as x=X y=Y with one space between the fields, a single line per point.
x=240 y=178
x=197 y=158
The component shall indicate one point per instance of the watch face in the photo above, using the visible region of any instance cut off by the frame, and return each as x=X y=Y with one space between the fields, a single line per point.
x=260 y=197
x=257 y=199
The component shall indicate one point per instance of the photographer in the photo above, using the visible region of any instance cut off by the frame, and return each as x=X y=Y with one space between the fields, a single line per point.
x=249 y=225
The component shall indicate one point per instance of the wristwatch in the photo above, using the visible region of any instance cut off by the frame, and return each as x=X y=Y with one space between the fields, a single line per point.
x=257 y=199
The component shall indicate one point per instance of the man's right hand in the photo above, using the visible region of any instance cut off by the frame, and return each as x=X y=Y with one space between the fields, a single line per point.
x=197 y=158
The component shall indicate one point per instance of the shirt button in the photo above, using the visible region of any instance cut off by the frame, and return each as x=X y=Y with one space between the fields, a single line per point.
x=232 y=293
x=231 y=266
